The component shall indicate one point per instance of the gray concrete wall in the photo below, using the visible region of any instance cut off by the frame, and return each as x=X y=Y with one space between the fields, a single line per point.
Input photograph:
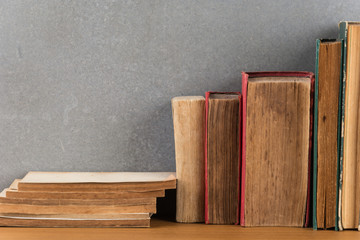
x=86 y=85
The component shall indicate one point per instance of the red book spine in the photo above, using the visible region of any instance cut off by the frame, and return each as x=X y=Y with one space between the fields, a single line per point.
x=207 y=94
x=242 y=195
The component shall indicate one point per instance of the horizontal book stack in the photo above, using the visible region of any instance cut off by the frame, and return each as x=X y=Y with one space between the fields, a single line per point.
x=84 y=199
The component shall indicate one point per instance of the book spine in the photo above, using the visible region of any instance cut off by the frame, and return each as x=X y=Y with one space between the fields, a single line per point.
x=240 y=157
x=339 y=136
x=243 y=150
x=315 y=134
x=207 y=95
x=309 y=192
x=245 y=76
x=189 y=119
x=342 y=36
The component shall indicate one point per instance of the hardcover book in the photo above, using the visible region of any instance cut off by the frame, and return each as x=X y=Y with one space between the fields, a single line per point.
x=326 y=132
x=349 y=175
x=276 y=149
x=222 y=157
x=189 y=135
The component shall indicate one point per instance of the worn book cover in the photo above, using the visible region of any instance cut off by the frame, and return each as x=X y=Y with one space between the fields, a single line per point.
x=222 y=157
x=327 y=131
x=348 y=214
x=284 y=107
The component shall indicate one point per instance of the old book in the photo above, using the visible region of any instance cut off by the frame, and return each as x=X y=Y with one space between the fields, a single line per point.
x=189 y=135
x=75 y=209
x=97 y=181
x=78 y=216
x=94 y=202
x=222 y=158
x=276 y=148
x=349 y=179
x=75 y=220
x=82 y=195
x=325 y=149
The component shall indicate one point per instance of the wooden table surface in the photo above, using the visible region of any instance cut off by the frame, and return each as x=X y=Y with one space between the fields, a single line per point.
x=161 y=229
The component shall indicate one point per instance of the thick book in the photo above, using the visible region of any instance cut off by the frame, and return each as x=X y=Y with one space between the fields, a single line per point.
x=349 y=175
x=75 y=209
x=10 y=193
x=69 y=194
x=75 y=220
x=59 y=202
x=97 y=181
x=276 y=148
x=326 y=132
x=189 y=135
x=222 y=157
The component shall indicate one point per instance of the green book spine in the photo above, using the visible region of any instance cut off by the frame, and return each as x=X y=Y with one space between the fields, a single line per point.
x=341 y=123
x=315 y=133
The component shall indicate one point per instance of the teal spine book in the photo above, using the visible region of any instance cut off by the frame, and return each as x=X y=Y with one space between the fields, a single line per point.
x=316 y=90
x=340 y=135
x=343 y=26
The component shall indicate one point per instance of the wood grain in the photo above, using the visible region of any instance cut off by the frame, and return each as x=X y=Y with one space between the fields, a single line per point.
x=223 y=136
x=277 y=147
x=189 y=136
x=168 y=230
x=350 y=203
x=328 y=107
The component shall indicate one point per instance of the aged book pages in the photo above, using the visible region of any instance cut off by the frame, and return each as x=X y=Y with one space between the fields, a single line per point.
x=82 y=195
x=54 y=222
x=114 y=216
x=74 y=209
x=329 y=71
x=350 y=197
x=223 y=154
x=189 y=136
x=116 y=201
x=277 y=151
x=101 y=181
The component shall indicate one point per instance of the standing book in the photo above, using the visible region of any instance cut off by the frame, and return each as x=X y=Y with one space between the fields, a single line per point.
x=276 y=148
x=189 y=135
x=222 y=157
x=349 y=176
x=326 y=132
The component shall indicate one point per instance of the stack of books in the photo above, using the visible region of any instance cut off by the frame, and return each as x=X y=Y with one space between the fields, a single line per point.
x=84 y=199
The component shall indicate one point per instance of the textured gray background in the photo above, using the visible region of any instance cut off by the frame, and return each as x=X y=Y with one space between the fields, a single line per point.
x=86 y=85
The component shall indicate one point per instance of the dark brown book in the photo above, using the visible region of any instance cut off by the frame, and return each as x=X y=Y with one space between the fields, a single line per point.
x=222 y=159
x=276 y=148
x=325 y=130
